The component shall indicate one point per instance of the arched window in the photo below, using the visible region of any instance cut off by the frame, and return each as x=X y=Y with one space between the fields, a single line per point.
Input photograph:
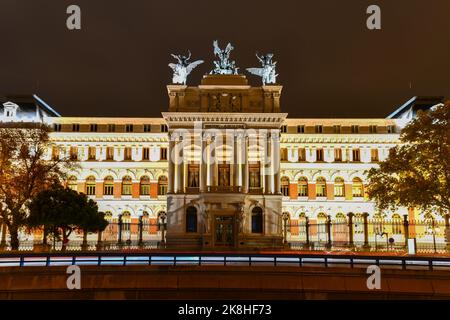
x=396 y=224
x=303 y=187
x=72 y=183
x=108 y=186
x=191 y=219
x=357 y=188
x=340 y=224
x=257 y=220
x=145 y=221
x=126 y=185
x=90 y=186
x=108 y=216
x=321 y=225
x=145 y=186
x=285 y=186
x=378 y=224
x=126 y=221
x=358 y=221
x=302 y=225
x=339 y=190
x=162 y=185
x=321 y=187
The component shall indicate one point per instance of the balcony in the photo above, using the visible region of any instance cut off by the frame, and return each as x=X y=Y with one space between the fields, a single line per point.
x=255 y=190
x=224 y=189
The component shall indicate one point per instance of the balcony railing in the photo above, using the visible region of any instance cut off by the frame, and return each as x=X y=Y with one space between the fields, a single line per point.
x=224 y=189
x=255 y=190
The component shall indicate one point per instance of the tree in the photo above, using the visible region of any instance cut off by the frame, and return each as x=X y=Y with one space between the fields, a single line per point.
x=24 y=171
x=61 y=211
x=417 y=171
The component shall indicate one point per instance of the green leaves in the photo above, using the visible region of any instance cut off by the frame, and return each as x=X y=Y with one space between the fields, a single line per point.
x=59 y=209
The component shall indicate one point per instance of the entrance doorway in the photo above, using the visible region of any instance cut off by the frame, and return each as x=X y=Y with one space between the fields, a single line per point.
x=224 y=231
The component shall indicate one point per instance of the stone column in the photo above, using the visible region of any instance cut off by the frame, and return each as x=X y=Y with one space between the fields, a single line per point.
x=171 y=164
x=268 y=165
x=262 y=142
x=235 y=161
x=213 y=162
x=180 y=166
x=244 y=163
x=203 y=164
x=276 y=161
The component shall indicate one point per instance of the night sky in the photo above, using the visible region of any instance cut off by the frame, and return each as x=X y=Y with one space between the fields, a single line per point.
x=330 y=64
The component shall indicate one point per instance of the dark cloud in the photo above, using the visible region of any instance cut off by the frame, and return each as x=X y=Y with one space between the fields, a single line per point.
x=329 y=64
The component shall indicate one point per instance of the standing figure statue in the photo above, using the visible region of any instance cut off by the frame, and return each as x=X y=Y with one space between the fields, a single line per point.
x=224 y=65
x=183 y=68
x=267 y=72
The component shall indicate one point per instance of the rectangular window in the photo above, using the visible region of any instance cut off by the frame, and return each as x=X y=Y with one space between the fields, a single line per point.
x=283 y=129
x=319 y=128
x=338 y=155
x=93 y=128
x=163 y=153
x=254 y=176
x=55 y=153
x=355 y=129
x=111 y=127
x=91 y=153
x=109 y=153
x=75 y=127
x=129 y=128
x=283 y=154
x=374 y=155
x=146 y=154
x=303 y=190
x=193 y=176
x=127 y=155
x=224 y=175
x=147 y=127
x=338 y=189
x=301 y=129
x=301 y=154
x=390 y=129
x=356 y=155
x=57 y=127
x=337 y=129
x=164 y=128
x=373 y=129
x=319 y=155
x=73 y=153
x=90 y=189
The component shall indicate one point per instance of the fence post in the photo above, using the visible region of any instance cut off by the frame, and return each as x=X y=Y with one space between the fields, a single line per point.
x=119 y=241
x=366 y=231
x=307 y=233
x=406 y=228
x=3 y=230
x=141 y=224
x=447 y=231
x=99 y=241
x=350 y=230
x=329 y=232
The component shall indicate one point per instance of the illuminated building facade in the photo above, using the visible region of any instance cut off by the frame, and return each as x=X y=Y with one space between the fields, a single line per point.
x=224 y=167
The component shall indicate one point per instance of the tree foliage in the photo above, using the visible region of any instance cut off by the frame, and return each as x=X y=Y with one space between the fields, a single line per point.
x=24 y=171
x=62 y=211
x=417 y=171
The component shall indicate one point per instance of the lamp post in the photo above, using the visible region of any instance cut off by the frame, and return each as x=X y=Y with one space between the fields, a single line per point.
x=162 y=226
x=285 y=221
